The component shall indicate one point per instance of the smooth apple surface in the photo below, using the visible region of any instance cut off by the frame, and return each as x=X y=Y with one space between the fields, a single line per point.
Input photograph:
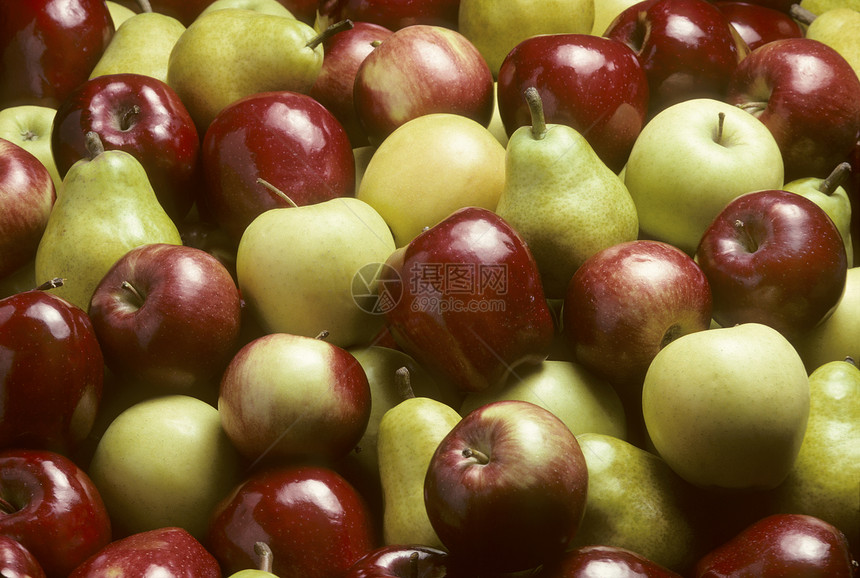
x=401 y=561
x=759 y=24
x=392 y=14
x=605 y=561
x=16 y=560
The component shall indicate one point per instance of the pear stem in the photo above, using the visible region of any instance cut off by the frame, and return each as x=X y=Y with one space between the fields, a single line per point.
x=851 y=360
x=835 y=179
x=721 y=123
x=94 y=144
x=322 y=335
x=329 y=32
x=263 y=550
x=52 y=284
x=404 y=383
x=536 y=110
x=277 y=191
x=145 y=5
x=801 y=14
x=477 y=454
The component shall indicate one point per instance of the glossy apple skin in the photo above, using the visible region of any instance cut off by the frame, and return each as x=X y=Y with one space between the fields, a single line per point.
x=392 y=14
x=286 y=138
x=773 y=257
x=780 y=5
x=471 y=334
x=593 y=84
x=344 y=53
x=51 y=507
x=315 y=522
x=48 y=47
x=421 y=70
x=603 y=561
x=51 y=372
x=758 y=24
x=401 y=561
x=178 y=327
x=16 y=560
x=781 y=545
x=166 y=552
x=142 y=116
x=806 y=94
x=627 y=302
x=27 y=195
x=687 y=48
x=519 y=504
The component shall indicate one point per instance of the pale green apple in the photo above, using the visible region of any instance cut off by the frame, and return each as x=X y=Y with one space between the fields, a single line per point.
x=141 y=45
x=605 y=11
x=272 y=7
x=29 y=126
x=839 y=28
x=584 y=402
x=495 y=27
x=165 y=462
x=727 y=408
x=305 y=270
x=822 y=6
x=687 y=164
x=460 y=164
x=119 y=13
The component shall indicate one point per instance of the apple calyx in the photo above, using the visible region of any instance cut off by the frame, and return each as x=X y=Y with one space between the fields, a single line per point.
x=801 y=14
x=330 y=31
x=277 y=191
x=479 y=456
x=535 y=103
x=835 y=179
x=263 y=550
x=670 y=335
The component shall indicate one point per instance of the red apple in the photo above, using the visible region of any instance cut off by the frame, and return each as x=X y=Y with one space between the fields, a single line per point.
x=806 y=94
x=142 y=116
x=16 y=560
x=401 y=561
x=316 y=524
x=687 y=48
x=781 y=5
x=344 y=53
x=392 y=14
x=603 y=562
x=419 y=70
x=288 y=139
x=781 y=545
x=776 y=258
x=167 y=315
x=27 y=195
x=759 y=24
x=593 y=84
x=50 y=506
x=51 y=372
x=169 y=552
x=48 y=47
x=505 y=490
x=469 y=301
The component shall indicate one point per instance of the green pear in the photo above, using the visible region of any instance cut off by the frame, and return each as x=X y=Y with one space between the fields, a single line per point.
x=835 y=338
x=264 y=569
x=272 y=7
x=119 y=13
x=727 y=408
x=605 y=11
x=227 y=54
x=829 y=194
x=107 y=207
x=822 y=6
x=839 y=28
x=636 y=501
x=825 y=480
x=564 y=201
x=584 y=402
x=409 y=434
x=314 y=268
x=141 y=45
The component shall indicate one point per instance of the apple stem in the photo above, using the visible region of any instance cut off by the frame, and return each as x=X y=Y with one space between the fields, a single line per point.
x=404 y=383
x=835 y=179
x=263 y=550
x=801 y=14
x=133 y=290
x=478 y=455
x=329 y=32
x=376 y=43
x=750 y=243
x=721 y=122
x=536 y=110
x=94 y=144
x=322 y=334
x=6 y=507
x=277 y=191
x=145 y=5
x=52 y=284
x=413 y=565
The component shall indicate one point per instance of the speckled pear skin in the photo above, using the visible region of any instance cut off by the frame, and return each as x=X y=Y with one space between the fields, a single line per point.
x=564 y=201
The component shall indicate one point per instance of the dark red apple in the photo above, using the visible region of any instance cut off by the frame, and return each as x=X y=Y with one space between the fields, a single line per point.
x=16 y=561
x=505 y=490
x=142 y=116
x=593 y=84
x=50 y=506
x=470 y=303
x=27 y=195
x=392 y=14
x=759 y=24
x=344 y=53
x=167 y=315
x=806 y=94
x=169 y=552
x=51 y=372
x=48 y=47
x=316 y=524
x=401 y=561
x=419 y=70
x=603 y=562
x=687 y=48
x=285 y=138
x=781 y=5
x=781 y=545
x=776 y=258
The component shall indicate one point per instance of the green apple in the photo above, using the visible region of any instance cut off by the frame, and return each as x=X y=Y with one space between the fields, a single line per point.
x=822 y=6
x=460 y=164
x=605 y=11
x=727 y=408
x=164 y=462
x=585 y=403
x=839 y=28
x=29 y=126
x=690 y=160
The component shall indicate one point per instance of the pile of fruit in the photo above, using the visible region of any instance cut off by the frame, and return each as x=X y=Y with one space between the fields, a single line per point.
x=463 y=288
